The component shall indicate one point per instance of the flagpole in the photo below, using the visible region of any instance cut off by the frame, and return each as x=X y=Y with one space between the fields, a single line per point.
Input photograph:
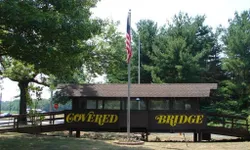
x=128 y=110
x=129 y=83
x=139 y=68
x=139 y=60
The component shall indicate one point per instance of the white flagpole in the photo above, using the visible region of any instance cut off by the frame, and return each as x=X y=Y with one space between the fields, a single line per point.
x=139 y=60
x=128 y=109
x=139 y=67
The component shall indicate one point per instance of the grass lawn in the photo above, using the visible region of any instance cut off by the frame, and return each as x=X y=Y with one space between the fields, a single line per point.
x=16 y=141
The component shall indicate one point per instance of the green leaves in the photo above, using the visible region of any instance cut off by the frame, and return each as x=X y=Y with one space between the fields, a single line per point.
x=237 y=62
x=18 y=71
x=44 y=33
x=183 y=50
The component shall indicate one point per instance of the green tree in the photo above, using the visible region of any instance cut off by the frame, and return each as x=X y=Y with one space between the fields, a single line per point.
x=46 y=37
x=236 y=63
x=110 y=57
x=112 y=42
x=45 y=32
x=185 y=51
x=117 y=72
x=24 y=74
x=147 y=32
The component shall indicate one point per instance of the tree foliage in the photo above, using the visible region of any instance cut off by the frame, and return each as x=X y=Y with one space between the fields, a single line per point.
x=46 y=37
x=117 y=73
x=185 y=51
x=112 y=41
x=236 y=90
x=45 y=32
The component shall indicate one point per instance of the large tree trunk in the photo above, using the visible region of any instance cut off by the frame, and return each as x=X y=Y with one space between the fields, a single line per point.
x=23 y=86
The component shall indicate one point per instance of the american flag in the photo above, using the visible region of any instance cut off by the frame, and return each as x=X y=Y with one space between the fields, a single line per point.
x=128 y=38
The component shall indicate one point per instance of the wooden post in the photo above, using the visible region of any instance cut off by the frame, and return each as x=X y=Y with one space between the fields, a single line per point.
x=17 y=126
x=224 y=122
x=199 y=136
x=50 y=119
x=195 y=137
x=78 y=133
x=232 y=123
x=247 y=124
x=70 y=133
x=53 y=119
x=40 y=120
x=14 y=123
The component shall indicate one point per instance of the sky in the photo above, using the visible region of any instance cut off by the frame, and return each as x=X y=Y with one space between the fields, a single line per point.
x=217 y=13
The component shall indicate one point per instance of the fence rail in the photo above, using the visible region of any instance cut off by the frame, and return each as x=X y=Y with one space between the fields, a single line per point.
x=55 y=120
x=40 y=119
x=227 y=121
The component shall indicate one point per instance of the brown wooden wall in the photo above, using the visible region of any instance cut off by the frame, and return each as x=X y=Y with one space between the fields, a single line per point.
x=152 y=121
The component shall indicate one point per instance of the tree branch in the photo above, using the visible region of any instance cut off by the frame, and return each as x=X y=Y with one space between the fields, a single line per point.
x=41 y=83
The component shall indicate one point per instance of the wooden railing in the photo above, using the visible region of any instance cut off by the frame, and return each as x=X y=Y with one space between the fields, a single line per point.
x=227 y=121
x=39 y=119
x=12 y=123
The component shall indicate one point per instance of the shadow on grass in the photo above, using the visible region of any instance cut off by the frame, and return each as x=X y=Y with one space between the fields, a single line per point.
x=8 y=141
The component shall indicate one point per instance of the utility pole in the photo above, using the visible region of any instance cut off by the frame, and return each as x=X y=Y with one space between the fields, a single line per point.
x=51 y=98
x=50 y=105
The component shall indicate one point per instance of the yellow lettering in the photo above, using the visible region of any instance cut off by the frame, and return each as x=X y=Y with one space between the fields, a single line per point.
x=91 y=116
x=98 y=118
x=83 y=117
x=199 y=119
x=77 y=118
x=113 y=118
x=161 y=119
x=170 y=120
x=70 y=118
x=182 y=119
x=191 y=119
x=176 y=119
x=104 y=120
x=173 y=120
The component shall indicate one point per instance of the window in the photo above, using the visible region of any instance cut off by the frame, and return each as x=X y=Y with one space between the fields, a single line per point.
x=100 y=104
x=182 y=105
x=188 y=107
x=138 y=104
x=178 y=105
x=91 y=104
x=159 y=104
x=189 y=104
x=123 y=103
x=112 y=104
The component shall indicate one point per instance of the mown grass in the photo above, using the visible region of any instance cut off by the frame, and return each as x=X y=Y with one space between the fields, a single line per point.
x=10 y=141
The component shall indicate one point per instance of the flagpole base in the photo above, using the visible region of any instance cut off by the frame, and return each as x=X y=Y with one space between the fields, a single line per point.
x=129 y=142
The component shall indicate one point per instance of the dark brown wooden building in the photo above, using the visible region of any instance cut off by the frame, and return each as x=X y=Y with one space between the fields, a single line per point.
x=185 y=96
x=154 y=107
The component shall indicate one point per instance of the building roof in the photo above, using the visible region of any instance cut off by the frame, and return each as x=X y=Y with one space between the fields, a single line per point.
x=139 y=90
